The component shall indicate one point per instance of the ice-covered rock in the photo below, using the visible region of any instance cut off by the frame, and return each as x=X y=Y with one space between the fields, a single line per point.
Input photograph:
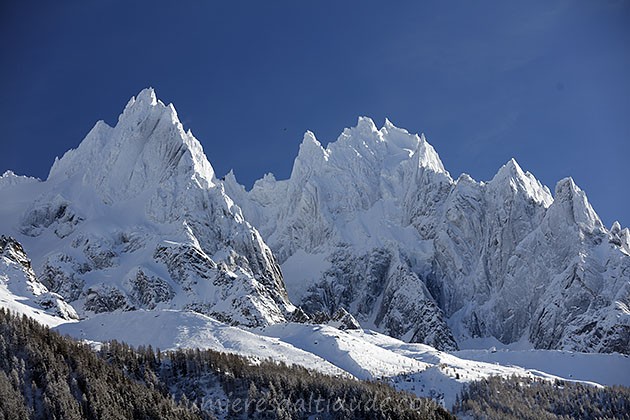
x=135 y=218
x=9 y=178
x=343 y=320
x=371 y=224
x=389 y=235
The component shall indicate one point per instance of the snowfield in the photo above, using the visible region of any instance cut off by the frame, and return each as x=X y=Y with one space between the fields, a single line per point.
x=169 y=330
x=363 y=354
x=604 y=369
x=20 y=305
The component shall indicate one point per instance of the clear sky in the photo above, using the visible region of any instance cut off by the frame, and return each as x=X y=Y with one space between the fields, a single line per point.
x=546 y=82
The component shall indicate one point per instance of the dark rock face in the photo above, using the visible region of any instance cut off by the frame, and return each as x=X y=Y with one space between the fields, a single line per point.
x=55 y=213
x=229 y=294
x=343 y=320
x=380 y=288
x=12 y=249
x=186 y=264
x=105 y=299
x=149 y=291
x=62 y=274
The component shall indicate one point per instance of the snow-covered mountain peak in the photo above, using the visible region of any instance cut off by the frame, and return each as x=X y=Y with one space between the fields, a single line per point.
x=399 y=137
x=512 y=175
x=388 y=124
x=135 y=218
x=9 y=178
x=230 y=179
x=147 y=146
x=146 y=97
x=571 y=202
x=361 y=140
x=374 y=224
x=146 y=105
x=426 y=157
x=311 y=149
x=510 y=170
x=365 y=125
x=465 y=179
x=310 y=142
x=310 y=158
x=382 y=150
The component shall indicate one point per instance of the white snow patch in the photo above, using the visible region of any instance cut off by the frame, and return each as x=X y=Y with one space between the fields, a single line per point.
x=169 y=330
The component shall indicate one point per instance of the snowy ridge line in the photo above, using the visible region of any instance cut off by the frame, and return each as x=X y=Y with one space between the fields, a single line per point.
x=134 y=218
x=412 y=253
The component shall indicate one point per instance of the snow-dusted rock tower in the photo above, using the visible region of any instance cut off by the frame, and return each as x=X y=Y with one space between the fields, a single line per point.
x=411 y=252
x=135 y=218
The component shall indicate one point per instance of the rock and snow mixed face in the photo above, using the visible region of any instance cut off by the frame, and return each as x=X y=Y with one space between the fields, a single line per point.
x=409 y=251
x=21 y=292
x=135 y=218
x=372 y=223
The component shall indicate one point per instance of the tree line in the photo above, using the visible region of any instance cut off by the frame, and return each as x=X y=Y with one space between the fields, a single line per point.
x=45 y=375
x=537 y=399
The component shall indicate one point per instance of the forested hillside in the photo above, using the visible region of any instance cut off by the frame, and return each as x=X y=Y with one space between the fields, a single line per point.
x=525 y=398
x=45 y=375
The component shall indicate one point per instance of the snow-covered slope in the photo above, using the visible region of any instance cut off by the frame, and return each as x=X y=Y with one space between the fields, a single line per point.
x=363 y=354
x=386 y=233
x=604 y=369
x=135 y=218
x=22 y=293
x=169 y=330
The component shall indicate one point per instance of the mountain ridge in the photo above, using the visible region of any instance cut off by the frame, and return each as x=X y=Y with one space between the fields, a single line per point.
x=461 y=240
x=135 y=218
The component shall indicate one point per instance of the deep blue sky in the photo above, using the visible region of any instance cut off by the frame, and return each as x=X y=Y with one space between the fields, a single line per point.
x=545 y=82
